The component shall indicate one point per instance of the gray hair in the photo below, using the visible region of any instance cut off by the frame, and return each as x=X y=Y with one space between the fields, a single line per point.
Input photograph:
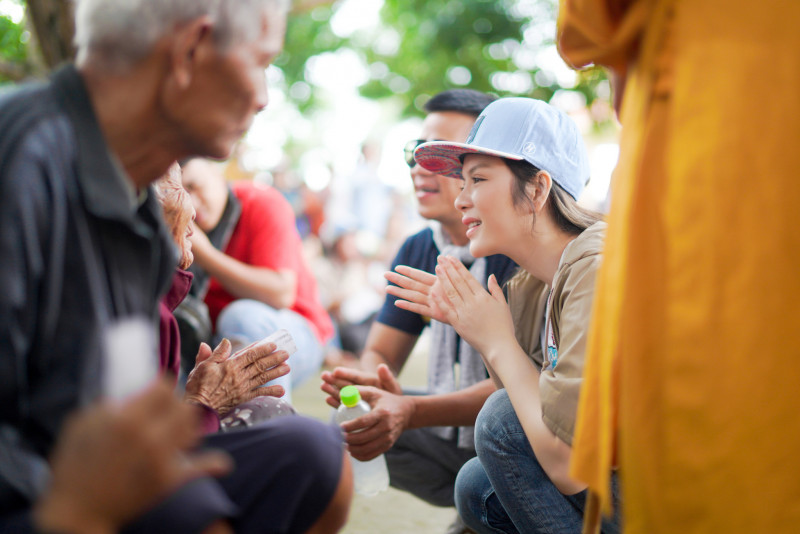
x=121 y=32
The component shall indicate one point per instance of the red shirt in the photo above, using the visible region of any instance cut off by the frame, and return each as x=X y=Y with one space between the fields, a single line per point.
x=266 y=236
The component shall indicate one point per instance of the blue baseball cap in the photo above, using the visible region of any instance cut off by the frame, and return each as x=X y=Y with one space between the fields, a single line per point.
x=518 y=129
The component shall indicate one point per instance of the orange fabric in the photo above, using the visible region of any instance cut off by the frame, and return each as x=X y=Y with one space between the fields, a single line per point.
x=693 y=363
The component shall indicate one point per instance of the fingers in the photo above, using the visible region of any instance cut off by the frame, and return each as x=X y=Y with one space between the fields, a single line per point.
x=254 y=352
x=409 y=283
x=458 y=283
x=419 y=309
x=332 y=382
x=411 y=274
x=333 y=394
x=451 y=282
x=445 y=311
x=372 y=449
x=222 y=351
x=409 y=295
x=348 y=375
x=329 y=387
x=265 y=391
x=369 y=440
x=387 y=380
x=262 y=376
x=356 y=427
x=262 y=371
x=241 y=351
x=203 y=353
x=495 y=289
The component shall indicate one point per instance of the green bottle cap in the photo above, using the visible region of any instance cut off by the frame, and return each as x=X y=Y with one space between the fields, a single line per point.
x=349 y=396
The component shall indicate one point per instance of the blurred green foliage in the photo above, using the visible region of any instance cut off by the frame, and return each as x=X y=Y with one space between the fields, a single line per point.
x=13 y=48
x=419 y=48
x=422 y=47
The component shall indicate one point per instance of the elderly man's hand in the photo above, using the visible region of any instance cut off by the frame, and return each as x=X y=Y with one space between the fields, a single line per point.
x=221 y=382
x=114 y=461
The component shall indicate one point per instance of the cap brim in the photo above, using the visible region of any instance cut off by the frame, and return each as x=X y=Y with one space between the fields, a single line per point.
x=444 y=157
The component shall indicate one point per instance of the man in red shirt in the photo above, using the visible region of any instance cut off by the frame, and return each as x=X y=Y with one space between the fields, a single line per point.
x=249 y=264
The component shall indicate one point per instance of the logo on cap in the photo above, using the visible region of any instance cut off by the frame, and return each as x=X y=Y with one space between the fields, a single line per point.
x=528 y=148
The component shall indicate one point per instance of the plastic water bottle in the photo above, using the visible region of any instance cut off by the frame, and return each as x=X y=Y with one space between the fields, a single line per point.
x=372 y=476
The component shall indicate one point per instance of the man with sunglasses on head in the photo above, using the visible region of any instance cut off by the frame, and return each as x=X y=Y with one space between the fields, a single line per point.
x=426 y=438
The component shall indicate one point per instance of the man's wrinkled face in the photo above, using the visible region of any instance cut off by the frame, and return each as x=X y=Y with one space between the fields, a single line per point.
x=227 y=89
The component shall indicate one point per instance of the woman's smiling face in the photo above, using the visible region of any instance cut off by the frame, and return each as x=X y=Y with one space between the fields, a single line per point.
x=494 y=224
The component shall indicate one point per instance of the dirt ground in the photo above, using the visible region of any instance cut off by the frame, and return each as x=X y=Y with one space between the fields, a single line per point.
x=390 y=512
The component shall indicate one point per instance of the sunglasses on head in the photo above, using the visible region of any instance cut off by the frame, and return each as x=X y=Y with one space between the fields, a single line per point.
x=408 y=151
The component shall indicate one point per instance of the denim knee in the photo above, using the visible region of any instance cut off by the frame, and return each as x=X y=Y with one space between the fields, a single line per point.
x=246 y=318
x=471 y=486
x=495 y=422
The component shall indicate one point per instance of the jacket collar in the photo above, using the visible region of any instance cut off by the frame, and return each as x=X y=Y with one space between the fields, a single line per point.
x=588 y=243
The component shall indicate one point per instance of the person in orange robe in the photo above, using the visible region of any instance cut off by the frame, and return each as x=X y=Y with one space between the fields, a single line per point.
x=693 y=369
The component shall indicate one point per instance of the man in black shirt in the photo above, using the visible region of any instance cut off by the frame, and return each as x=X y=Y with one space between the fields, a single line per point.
x=84 y=249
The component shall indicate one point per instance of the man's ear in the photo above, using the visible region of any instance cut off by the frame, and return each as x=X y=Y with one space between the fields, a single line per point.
x=539 y=189
x=189 y=42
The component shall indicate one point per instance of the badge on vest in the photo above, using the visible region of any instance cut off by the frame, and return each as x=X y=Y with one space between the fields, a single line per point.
x=552 y=349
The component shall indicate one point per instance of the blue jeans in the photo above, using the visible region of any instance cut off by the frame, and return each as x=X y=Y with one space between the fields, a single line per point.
x=245 y=321
x=505 y=490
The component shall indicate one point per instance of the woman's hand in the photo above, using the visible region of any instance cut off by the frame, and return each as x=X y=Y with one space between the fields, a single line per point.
x=414 y=291
x=221 y=382
x=482 y=318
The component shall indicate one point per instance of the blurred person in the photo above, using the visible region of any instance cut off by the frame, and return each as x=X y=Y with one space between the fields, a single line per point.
x=692 y=370
x=218 y=385
x=360 y=200
x=85 y=248
x=522 y=170
x=249 y=265
x=426 y=438
x=352 y=290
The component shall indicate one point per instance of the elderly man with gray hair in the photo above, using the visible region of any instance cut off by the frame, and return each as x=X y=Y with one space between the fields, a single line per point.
x=85 y=252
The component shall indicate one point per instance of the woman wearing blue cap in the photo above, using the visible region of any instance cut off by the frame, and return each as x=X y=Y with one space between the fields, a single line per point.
x=523 y=166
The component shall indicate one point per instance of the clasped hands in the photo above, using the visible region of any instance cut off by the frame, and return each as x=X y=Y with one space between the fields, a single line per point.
x=455 y=297
x=222 y=381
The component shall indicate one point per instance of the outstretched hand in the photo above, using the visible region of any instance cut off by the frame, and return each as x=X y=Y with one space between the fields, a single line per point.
x=113 y=461
x=413 y=290
x=222 y=382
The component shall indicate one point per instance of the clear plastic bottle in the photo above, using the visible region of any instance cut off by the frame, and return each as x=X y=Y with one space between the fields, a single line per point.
x=370 y=477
